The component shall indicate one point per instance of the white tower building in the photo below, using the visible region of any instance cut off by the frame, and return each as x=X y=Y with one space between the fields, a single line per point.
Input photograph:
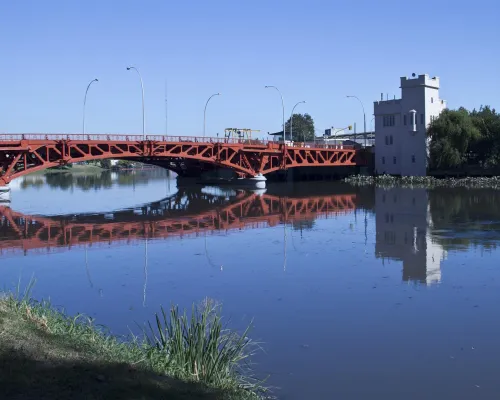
x=401 y=146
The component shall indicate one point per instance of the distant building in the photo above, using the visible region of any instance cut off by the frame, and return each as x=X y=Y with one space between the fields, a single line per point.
x=401 y=146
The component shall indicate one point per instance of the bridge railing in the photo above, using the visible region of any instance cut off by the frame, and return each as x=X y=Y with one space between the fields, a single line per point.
x=5 y=137
x=163 y=138
x=313 y=145
x=199 y=139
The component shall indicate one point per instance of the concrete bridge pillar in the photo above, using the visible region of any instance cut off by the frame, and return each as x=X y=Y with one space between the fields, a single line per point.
x=4 y=193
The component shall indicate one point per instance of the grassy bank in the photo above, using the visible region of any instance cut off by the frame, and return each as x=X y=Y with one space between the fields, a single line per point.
x=75 y=169
x=389 y=181
x=46 y=354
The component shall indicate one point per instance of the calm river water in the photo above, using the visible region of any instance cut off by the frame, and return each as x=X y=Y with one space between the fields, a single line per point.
x=354 y=292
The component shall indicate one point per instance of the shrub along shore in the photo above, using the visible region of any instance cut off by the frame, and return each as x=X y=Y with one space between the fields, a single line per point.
x=46 y=354
x=424 y=181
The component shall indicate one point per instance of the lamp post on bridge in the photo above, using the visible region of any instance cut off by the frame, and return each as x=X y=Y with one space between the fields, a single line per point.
x=205 y=113
x=364 y=115
x=85 y=102
x=142 y=90
x=283 y=106
x=291 y=120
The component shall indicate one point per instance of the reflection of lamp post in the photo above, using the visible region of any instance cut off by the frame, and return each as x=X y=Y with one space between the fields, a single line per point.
x=205 y=112
x=291 y=121
x=85 y=102
x=142 y=89
x=145 y=268
x=364 y=115
x=283 y=106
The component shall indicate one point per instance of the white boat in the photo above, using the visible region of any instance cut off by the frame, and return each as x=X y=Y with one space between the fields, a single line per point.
x=256 y=182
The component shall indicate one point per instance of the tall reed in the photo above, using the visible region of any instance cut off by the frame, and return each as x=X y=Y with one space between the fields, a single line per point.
x=201 y=348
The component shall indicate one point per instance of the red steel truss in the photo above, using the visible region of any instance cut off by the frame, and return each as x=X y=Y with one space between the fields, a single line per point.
x=19 y=232
x=25 y=153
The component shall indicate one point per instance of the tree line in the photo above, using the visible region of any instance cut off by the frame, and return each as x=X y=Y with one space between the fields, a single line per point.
x=462 y=138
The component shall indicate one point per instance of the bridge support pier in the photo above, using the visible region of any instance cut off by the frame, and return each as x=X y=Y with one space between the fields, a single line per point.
x=257 y=182
x=4 y=194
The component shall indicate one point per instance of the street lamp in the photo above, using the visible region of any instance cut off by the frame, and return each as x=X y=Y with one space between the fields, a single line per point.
x=291 y=121
x=85 y=102
x=364 y=115
x=205 y=113
x=283 y=106
x=142 y=89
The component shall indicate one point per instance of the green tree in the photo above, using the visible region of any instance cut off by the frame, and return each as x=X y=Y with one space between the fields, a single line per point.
x=486 y=150
x=106 y=163
x=452 y=136
x=303 y=128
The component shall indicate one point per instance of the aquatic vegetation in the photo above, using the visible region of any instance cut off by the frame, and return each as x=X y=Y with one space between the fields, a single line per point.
x=424 y=181
x=202 y=348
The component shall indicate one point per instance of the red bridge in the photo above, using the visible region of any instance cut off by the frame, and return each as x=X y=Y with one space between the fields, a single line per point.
x=21 y=154
x=164 y=219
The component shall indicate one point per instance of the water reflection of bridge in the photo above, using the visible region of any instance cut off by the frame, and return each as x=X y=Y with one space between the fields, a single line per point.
x=186 y=213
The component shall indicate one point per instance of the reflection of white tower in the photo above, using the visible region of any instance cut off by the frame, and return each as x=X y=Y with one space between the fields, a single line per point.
x=435 y=254
x=403 y=224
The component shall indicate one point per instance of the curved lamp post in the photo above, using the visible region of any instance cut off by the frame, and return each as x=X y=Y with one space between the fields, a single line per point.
x=205 y=113
x=142 y=89
x=291 y=121
x=85 y=102
x=364 y=115
x=283 y=106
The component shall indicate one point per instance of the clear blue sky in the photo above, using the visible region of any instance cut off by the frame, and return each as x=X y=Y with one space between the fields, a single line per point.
x=317 y=51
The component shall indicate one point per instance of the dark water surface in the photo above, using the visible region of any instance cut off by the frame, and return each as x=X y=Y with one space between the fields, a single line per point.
x=355 y=293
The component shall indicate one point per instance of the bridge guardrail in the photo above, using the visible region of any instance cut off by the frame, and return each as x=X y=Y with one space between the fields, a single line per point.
x=163 y=138
x=4 y=137
x=198 y=139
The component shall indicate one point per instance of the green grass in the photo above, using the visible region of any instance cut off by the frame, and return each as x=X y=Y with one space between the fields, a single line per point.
x=46 y=354
x=75 y=169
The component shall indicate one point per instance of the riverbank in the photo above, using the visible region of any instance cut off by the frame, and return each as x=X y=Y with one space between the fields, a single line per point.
x=424 y=181
x=46 y=354
x=75 y=169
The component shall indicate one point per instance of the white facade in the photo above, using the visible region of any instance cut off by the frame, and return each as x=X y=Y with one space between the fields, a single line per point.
x=403 y=233
x=401 y=127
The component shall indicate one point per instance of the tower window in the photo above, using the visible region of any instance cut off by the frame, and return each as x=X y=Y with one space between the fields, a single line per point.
x=389 y=120
x=432 y=99
x=383 y=160
x=394 y=160
x=413 y=159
